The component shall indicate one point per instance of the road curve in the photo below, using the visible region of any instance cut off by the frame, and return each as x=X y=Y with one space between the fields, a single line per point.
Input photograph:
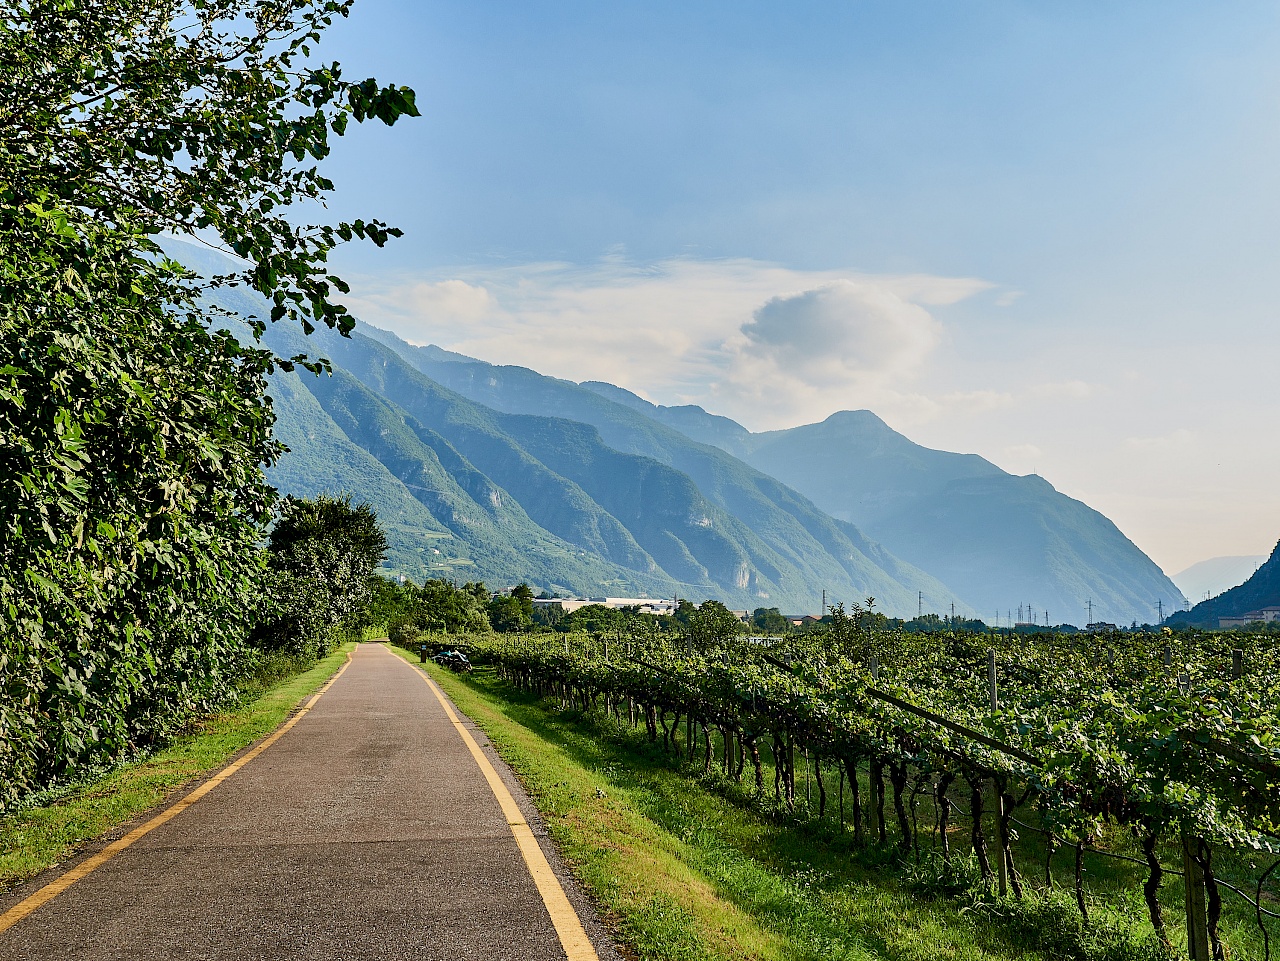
x=367 y=831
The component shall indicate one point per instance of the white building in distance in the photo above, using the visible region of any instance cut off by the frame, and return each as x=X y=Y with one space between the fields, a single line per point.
x=1265 y=614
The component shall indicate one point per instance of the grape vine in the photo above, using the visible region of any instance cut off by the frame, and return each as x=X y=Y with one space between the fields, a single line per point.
x=1174 y=738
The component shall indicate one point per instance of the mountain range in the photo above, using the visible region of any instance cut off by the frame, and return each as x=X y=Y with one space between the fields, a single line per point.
x=523 y=496
x=503 y=474
x=998 y=540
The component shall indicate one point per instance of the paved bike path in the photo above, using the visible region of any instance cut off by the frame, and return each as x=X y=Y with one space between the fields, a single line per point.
x=367 y=831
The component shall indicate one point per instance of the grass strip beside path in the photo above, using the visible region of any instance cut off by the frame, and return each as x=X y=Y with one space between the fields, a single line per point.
x=38 y=838
x=680 y=873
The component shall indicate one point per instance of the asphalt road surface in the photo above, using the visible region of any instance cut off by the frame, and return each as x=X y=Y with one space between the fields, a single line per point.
x=367 y=830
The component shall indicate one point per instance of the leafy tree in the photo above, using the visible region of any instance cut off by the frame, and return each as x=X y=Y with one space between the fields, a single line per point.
x=548 y=615
x=441 y=606
x=512 y=613
x=506 y=616
x=712 y=625
x=684 y=612
x=133 y=435
x=594 y=619
x=187 y=116
x=524 y=594
x=323 y=553
x=388 y=600
x=770 y=620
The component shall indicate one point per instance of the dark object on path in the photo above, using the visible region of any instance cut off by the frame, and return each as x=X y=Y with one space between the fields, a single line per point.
x=455 y=661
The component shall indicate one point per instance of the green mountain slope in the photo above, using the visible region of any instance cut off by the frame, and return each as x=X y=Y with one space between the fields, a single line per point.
x=1260 y=590
x=322 y=459
x=779 y=537
x=656 y=524
x=445 y=517
x=997 y=539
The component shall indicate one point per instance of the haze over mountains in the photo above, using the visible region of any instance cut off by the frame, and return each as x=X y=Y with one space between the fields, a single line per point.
x=1214 y=575
x=522 y=496
x=997 y=540
x=504 y=474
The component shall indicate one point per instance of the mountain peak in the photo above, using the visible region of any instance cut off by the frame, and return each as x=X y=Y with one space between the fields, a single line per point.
x=861 y=416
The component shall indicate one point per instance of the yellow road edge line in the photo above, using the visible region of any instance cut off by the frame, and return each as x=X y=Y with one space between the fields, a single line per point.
x=91 y=864
x=573 y=937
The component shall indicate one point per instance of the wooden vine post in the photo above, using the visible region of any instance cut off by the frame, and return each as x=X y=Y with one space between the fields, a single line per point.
x=1001 y=860
x=1197 y=912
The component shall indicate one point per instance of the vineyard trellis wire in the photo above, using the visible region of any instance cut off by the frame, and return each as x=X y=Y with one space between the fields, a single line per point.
x=1172 y=738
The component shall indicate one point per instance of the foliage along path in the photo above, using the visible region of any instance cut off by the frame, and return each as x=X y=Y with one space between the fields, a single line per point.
x=380 y=825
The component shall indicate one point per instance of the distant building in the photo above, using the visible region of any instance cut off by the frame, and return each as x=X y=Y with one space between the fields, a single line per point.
x=1101 y=626
x=645 y=605
x=1264 y=614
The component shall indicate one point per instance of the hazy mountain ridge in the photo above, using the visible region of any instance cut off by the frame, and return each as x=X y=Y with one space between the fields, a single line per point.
x=998 y=539
x=1214 y=575
x=492 y=478
x=781 y=517
x=1260 y=590
x=511 y=497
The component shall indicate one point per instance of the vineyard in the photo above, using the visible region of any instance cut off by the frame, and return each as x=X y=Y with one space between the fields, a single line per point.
x=1157 y=748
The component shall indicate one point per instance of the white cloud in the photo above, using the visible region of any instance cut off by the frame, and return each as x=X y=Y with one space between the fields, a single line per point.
x=768 y=345
x=453 y=300
x=841 y=331
x=1064 y=390
x=975 y=401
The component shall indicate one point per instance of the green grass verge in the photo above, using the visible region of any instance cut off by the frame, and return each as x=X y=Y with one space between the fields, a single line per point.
x=681 y=872
x=38 y=838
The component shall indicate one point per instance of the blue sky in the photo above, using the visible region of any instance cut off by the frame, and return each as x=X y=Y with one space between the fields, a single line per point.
x=1047 y=233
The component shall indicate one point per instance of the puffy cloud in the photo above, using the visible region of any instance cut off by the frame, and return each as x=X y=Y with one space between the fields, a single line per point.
x=419 y=311
x=842 y=331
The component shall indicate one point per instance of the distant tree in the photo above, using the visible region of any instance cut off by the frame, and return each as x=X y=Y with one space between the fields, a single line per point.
x=524 y=594
x=769 y=619
x=439 y=605
x=513 y=612
x=322 y=555
x=594 y=619
x=388 y=600
x=713 y=625
x=548 y=615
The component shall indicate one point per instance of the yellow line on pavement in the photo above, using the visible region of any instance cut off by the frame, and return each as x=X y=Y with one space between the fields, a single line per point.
x=573 y=938
x=89 y=865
